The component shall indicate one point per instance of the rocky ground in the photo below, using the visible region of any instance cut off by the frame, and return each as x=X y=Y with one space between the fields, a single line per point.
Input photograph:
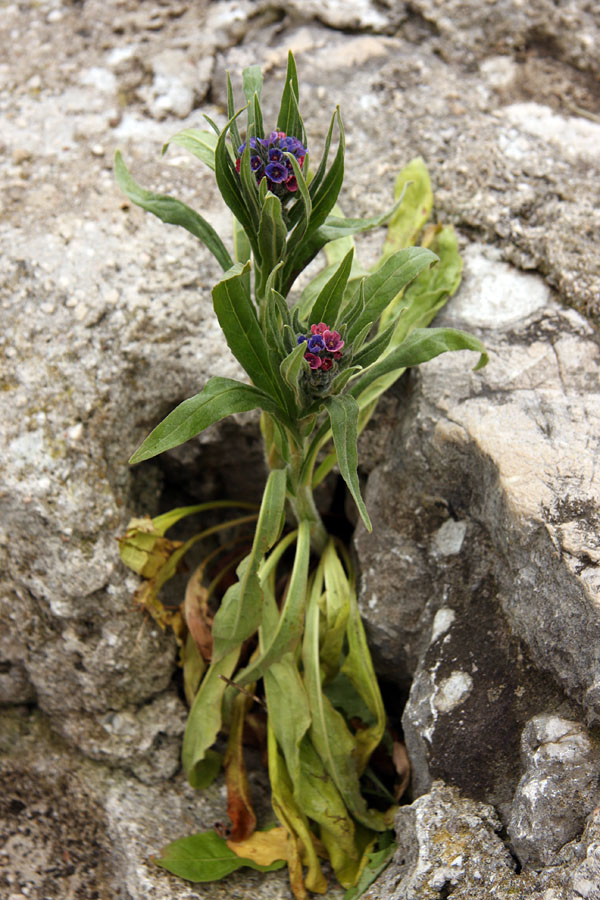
x=480 y=584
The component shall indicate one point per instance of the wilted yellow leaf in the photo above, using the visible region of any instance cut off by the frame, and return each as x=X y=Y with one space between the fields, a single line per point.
x=263 y=847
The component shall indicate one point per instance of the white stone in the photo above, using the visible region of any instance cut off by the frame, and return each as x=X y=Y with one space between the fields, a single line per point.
x=452 y=691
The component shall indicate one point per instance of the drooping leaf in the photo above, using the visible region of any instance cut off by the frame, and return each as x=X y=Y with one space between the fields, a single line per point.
x=262 y=847
x=206 y=857
x=404 y=226
x=204 y=723
x=239 y=803
x=198 y=616
x=172 y=211
x=301 y=845
x=329 y=733
x=194 y=668
x=219 y=398
x=335 y=608
x=343 y=416
x=377 y=860
x=201 y=143
x=289 y=629
x=358 y=669
x=239 y=615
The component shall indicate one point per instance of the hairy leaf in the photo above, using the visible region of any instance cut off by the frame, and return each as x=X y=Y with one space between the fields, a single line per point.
x=343 y=416
x=219 y=398
x=201 y=143
x=172 y=211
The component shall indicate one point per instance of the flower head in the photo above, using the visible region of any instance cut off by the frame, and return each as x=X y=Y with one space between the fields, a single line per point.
x=323 y=351
x=270 y=161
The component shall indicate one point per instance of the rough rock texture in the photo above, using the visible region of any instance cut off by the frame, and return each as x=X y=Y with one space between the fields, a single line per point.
x=106 y=325
x=449 y=846
x=559 y=789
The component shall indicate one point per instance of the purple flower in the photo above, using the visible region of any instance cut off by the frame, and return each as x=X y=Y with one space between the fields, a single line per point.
x=301 y=338
x=276 y=172
x=275 y=155
x=315 y=343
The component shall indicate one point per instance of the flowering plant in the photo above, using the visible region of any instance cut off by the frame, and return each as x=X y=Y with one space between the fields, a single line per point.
x=317 y=363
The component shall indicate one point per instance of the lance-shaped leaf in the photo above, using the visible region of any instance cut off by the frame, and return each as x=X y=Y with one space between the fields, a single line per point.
x=302 y=842
x=252 y=81
x=385 y=283
x=172 y=211
x=333 y=228
x=371 y=352
x=328 y=302
x=229 y=183
x=239 y=803
x=231 y=115
x=429 y=292
x=240 y=612
x=377 y=861
x=241 y=244
x=237 y=318
x=343 y=417
x=421 y=345
x=335 y=608
x=403 y=228
x=272 y=234
x=324 y=197
x=303 y=205
x=204 y=722
x=220 y=397
x=201 y=143
x=289 y=712
x=206 y=857
x=288 y=119
x=292 y=368
x=329 y=733
x=358 y=668
x=288 y=633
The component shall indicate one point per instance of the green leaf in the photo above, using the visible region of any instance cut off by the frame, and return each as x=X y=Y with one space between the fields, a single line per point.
x=377 y=861
x=430 y=290
x=385 y=283
x=358 y=668
x=287 y=120
x=201 y=143
x=231 y=115
x=421 y=345
x=326 y=193
x=252 y=81
x=289 y=713
x=304 y=205
x=239 y=615
x=335 y=608
x=204 y=722
x=229 y=182
x=332 y=229
x=288 y=633
x=404 y=226
x=171 y=211
x=206 y=857
x=241 y=244
x=328 y=732
x=292 y=368
x=237 y=318
x=327 y=304
x=371 y=352
x=219 y=398
x=272 y=234
x=343 y=416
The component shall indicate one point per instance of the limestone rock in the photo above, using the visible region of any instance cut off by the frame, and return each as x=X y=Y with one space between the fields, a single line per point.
x=449 y=846
x=558 y=790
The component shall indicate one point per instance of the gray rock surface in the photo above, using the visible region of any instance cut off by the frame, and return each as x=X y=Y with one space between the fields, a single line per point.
x=449 y=846
x=106 y=325
x=559 y=789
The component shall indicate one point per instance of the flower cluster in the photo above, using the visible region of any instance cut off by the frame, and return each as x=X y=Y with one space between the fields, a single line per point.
x=269 y=160
x=324 y=346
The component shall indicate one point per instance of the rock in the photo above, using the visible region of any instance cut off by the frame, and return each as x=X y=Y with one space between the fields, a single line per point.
x=558 y=790
x=69 y=827
x=177 y=84
x=450 y=846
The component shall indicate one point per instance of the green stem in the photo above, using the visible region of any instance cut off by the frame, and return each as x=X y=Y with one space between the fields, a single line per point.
x=302 y=500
